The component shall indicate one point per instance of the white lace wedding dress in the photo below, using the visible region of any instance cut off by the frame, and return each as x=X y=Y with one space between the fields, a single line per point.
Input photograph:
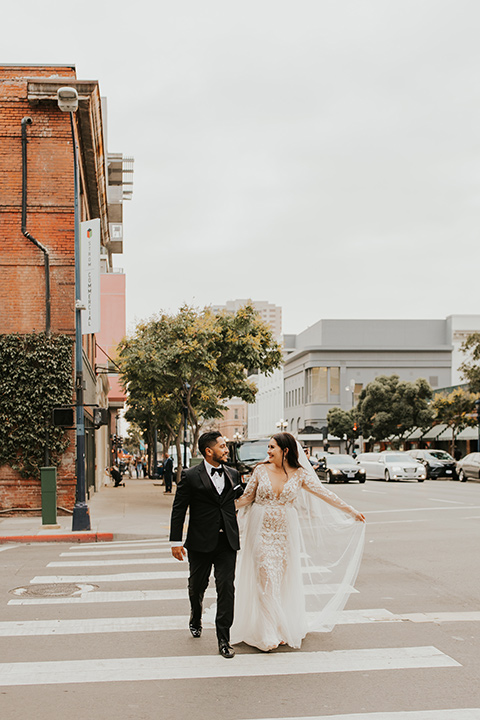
x=300 y=555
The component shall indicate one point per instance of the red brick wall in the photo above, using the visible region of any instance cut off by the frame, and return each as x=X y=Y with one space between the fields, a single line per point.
x=50 y=219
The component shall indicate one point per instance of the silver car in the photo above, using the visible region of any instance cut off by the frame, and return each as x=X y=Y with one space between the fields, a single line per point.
x=468 y=468
x=391 y=465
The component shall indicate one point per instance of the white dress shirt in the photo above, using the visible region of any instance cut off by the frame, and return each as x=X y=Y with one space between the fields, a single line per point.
x=218 y=480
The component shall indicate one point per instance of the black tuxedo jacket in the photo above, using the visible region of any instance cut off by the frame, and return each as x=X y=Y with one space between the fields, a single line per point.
x=209 y=511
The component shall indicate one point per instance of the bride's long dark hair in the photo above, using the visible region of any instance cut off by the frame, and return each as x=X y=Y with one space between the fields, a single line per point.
x=287 y=442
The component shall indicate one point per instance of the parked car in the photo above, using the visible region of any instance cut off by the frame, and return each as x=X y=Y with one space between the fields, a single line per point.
x=469 y=467
x=246 y=454
x=438 y=463
x=340 y=468
x=389 y=465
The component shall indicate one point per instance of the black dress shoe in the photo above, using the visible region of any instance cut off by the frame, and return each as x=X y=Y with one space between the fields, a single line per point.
x=225 y=649
x=196 y=631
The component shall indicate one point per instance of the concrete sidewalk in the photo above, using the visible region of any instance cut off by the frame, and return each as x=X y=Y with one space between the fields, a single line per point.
x=138 y=510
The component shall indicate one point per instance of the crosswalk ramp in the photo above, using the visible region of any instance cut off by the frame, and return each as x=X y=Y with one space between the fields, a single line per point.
x=169 y=587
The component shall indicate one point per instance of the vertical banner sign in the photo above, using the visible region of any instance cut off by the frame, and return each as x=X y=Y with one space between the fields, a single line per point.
x=90 y=275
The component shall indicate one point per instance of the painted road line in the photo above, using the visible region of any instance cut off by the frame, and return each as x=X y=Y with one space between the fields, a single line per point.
x=441 y=617
x=140 y=595
x=157 y=623
x=137 y=551
x=110 y=562
x=110 y=597
x=396 y=522
x=96 y=670
x=86 y=626
x=118 y=577
x=128 y=543
x=8 y=547
x=454 y=502
x=421 y=509
x=314 y=569
x=456 y=714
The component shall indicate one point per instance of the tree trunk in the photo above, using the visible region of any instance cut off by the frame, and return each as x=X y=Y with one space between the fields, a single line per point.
x=178 y=445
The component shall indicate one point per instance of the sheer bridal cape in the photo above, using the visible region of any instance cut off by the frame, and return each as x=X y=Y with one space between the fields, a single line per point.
x=301 y=551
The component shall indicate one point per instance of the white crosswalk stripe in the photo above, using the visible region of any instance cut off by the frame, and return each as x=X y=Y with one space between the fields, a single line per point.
x=120 y=551
x=127 y=543
x=117 y=577
x=180 y=622
x=135 y=596
x=111 y=562
x=208 y=666
x=457 y=714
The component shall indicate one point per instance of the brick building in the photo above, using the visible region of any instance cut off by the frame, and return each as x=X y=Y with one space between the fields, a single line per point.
x=29 y=94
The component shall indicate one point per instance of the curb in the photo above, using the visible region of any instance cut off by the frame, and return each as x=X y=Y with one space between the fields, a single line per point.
x=64 y=537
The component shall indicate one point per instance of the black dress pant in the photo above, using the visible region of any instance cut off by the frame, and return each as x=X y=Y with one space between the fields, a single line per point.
x=168 y=482
x=223 y=561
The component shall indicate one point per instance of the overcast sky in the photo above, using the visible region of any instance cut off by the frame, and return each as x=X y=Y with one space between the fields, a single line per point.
x=323 y=155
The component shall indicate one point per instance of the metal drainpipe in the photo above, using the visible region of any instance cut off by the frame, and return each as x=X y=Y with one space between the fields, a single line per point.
x=28 y=121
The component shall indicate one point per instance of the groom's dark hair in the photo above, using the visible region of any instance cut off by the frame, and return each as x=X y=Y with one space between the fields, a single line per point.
x=208 y=439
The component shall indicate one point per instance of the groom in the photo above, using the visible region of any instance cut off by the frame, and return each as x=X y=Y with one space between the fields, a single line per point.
x=209 y=490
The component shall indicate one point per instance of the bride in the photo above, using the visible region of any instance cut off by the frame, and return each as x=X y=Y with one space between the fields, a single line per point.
x=301 y=550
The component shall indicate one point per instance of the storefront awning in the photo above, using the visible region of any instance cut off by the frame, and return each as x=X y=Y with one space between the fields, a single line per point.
x=435 y=432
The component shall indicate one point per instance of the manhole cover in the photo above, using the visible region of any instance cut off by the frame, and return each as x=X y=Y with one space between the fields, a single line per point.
x=53 y=590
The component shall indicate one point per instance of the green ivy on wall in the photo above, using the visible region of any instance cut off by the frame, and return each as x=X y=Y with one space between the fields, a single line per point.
x=36 y=375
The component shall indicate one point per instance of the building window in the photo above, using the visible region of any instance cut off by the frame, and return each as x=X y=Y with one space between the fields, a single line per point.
x=357 y=391
x=334 y=373
x=235 y=414
x=323 y=385
x=433 y=380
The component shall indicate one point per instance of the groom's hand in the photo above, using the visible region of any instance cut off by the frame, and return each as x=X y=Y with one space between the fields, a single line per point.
x=179 y=552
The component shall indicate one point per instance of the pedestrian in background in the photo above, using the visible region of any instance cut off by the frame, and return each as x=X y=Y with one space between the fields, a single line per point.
x=116 y=476
x=167 y=472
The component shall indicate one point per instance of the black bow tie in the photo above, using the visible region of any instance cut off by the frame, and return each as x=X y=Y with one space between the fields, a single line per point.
x=218 y=470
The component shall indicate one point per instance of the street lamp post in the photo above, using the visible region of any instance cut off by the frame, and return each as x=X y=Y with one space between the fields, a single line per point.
x=67 y=98
x=477 y=405
x=282 y=425
x=351 y=388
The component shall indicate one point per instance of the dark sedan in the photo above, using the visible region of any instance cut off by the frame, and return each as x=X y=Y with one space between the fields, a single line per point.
x=438 y=463
x=340 y=468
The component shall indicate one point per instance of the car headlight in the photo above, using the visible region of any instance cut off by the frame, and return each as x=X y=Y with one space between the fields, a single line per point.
x=335 y=472
x=361 y=470
x=396 y=469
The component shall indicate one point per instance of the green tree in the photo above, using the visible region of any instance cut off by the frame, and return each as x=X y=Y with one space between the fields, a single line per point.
x=457 y=410
x=195 y=358
x=133 y=440
x=343 y=423
x=470 y=369
x=388 y=406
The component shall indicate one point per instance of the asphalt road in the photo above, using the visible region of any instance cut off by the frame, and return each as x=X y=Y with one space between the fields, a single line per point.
x=407 y=648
